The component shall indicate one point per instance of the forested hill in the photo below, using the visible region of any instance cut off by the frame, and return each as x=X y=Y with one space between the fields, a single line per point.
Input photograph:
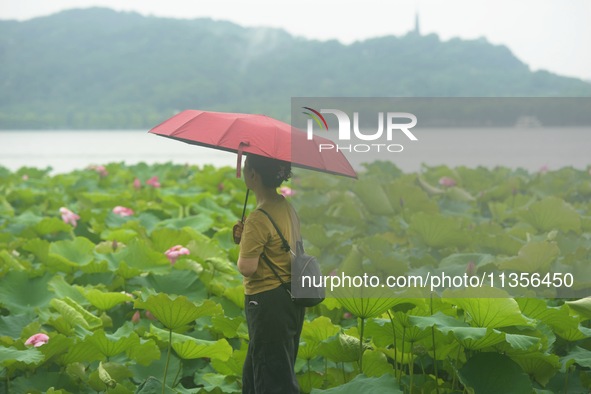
x=97 y=68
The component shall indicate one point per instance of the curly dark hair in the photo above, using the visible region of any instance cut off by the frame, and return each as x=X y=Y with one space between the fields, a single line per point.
x=273 y=172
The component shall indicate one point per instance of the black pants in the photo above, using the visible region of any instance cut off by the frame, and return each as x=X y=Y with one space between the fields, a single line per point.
x=274 y=328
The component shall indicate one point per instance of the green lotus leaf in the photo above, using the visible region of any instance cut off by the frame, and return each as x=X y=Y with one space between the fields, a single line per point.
x=105 y=376
x=10 y=355
x=100 y=199
x=57 y=344
x=310 y=380
x=381 y=332
x=82 y=351
x=340 y=348
x=38 y=247
x=317 y=235
x=219 y=264
x=581 y=306
x=493 y=238
x=318 y=329
x=79 y=251
x=235 y=294
x=308 y=350
x=144 y=352
x=20 y=293
x=176 y=312
x=457 y=263
x=376 y=364
x=427 y=187
x=380 y=256
x=11 y=326
x=179 y=282
x=459 y=194
x=370 y=192
x=489 y=312
x=124 y=235
x=553 y=213
x=232 y=366
x=368 y=307
x=579 y=356
x=105 y=300
x=111 y=345
x=75 y=314
x=209 y=206
x=217 y=383
x=201 y=223
x=154 y=386
x=63 y=289
x=346 y=209
x=558 y=318
x=523 y=343
x=439 y=320
x=406 y=196
x=139 y=257
x=6 y=210
x=22 y=225
x=187 y=347
x=9 y=262
x=402 y=323
x=230 y=327
x=165 y=238
x=51 y=226
x=535 y=256
x=539 y=365
x=385 y=384
x=439 y=231
x=203 y=248
x=493 y=373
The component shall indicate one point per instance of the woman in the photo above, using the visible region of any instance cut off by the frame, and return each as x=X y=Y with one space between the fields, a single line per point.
x=274 y=321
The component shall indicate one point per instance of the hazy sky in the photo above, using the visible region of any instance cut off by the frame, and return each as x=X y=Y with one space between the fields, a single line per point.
x=554 y=35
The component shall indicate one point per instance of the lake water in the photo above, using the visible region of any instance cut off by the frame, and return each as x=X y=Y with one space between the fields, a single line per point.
x=531 y=149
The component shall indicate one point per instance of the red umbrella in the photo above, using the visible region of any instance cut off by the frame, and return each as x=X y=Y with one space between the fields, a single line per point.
x=257 y=134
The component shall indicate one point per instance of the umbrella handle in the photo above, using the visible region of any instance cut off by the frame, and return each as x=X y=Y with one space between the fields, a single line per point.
x=245 y=202
x=236 y=226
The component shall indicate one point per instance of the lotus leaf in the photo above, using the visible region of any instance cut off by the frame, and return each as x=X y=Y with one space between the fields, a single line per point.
x=385 y=384
x=176 y=312
x=553 y=213
x=187 y=347
x=493 y=373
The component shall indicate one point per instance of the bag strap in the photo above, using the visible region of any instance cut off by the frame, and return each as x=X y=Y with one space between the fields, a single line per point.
x=285 y=245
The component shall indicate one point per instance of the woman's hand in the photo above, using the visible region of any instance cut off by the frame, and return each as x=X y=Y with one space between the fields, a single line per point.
x=237 y=232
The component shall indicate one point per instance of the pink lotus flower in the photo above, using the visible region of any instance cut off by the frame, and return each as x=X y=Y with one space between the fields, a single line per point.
x=25 y=177
x=122 y=211
x=153 y=182
x=286 y=191
x=447 y=181
x=347 y=315
x=150 y=316
x=175 y=252
x=101 y=170
x=543 y=169
x=37 y=340
x=69 y=217
x=137 y=184
x=136 y=317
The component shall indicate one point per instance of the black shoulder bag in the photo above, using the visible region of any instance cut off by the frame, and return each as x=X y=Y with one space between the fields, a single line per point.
x=305 y=273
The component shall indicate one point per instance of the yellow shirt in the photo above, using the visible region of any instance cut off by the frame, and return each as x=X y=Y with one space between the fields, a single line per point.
x=260 y=236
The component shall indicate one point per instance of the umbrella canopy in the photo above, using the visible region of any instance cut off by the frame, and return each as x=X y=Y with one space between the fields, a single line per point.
x=257 y=134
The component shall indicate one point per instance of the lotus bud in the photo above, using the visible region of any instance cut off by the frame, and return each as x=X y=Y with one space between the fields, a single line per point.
x=37 y=340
